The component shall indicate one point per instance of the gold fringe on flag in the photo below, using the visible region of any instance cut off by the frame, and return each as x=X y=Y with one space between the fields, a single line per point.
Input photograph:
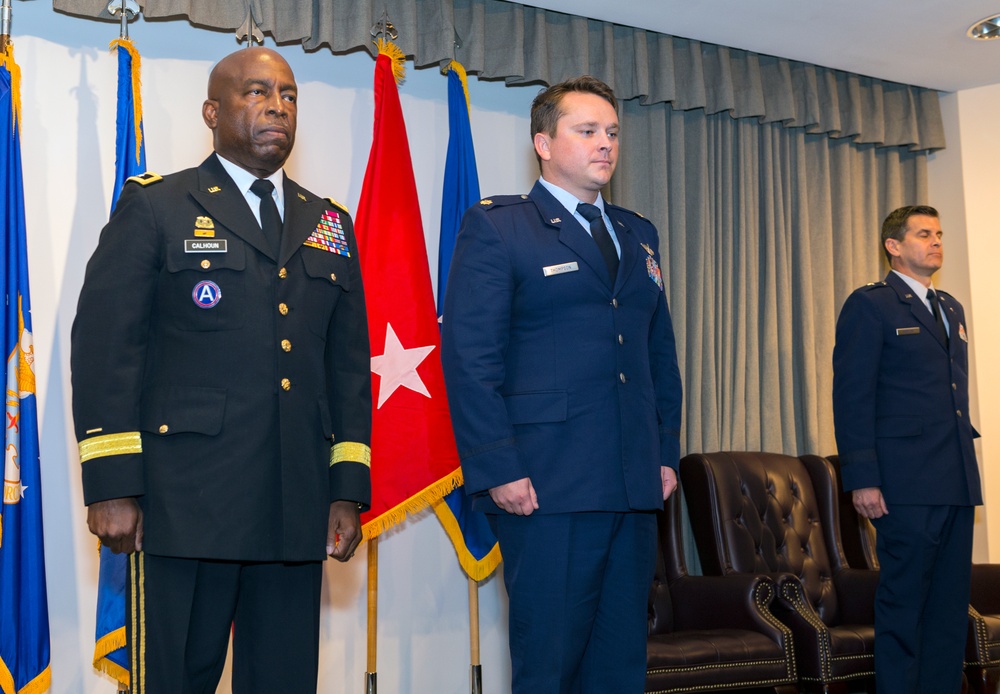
x=460 y=71
x=395 y=53
x=417 y=502
x=127 y=44
x=7 y=60
x=477 y=570
x=42 y=683
x=104 y=646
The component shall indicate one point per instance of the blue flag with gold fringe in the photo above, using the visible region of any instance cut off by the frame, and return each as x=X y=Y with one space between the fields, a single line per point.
x=110 y=653
x=24 y=614
x=475 y=544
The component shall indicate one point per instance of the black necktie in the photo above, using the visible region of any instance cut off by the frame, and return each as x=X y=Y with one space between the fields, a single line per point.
x=600 y=233
x=270 y=220
x=936 y=310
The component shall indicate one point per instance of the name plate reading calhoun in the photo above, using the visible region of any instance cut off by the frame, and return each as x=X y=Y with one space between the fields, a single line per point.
x=205 y=246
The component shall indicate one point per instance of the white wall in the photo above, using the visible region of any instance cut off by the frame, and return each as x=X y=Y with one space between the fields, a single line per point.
x=69 y=102
x=964 y=182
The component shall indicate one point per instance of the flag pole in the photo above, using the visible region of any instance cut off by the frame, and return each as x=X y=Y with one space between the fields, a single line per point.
x=371 y=685
x=476 y=670
x=5 y=21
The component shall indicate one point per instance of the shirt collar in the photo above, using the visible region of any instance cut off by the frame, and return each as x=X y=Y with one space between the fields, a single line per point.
x=567 y=199
x=918 y=288
x=244 y=179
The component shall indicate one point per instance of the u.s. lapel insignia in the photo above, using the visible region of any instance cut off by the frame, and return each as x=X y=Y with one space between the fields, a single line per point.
x=555 y=220
x=653 y=270
x=961 y=333
x=214 y=189
x=302 y=197
x=204 y=227
x=329 y=235
x=647 y=248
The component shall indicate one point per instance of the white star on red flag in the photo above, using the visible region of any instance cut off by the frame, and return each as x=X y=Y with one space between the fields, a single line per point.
x=397 y=366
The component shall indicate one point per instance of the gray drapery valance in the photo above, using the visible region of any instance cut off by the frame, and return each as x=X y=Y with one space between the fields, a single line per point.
x=505 y=40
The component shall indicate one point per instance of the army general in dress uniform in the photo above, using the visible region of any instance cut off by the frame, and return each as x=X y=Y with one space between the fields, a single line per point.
x=222 y=398
x=562 y=378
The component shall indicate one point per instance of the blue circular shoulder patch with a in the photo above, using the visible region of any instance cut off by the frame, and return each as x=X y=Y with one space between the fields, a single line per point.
x=206 y=294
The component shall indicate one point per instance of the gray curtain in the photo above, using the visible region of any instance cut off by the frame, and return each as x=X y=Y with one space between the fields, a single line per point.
x=764 y=230
x=505 y=40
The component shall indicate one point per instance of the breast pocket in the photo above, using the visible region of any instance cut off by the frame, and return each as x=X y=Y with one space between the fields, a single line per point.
x=205 y=291
x=329 y=279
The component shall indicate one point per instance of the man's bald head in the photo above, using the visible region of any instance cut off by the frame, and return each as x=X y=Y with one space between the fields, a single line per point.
x=251 y=109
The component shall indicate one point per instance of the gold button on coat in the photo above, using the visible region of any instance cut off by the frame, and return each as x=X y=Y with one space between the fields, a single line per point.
x=333 y=276
x=286 y=345
x=286 y=384
x=206 y=263
x=283 y=309
x=283 y=273
x=164 y=428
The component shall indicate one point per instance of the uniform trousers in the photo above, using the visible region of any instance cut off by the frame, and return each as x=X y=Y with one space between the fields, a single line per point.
x=578 y=585
x=181 y=613
x=922 y=601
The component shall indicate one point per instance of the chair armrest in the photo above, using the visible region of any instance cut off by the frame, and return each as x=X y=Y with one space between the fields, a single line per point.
x=986 y=588
x=856 y=595
x=737 y=601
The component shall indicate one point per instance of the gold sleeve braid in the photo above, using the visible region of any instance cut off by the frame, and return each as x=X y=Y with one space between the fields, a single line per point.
x=349 y=451
x=110 y=444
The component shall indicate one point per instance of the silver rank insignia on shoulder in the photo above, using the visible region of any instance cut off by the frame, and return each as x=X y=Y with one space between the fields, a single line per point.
x=647 y=248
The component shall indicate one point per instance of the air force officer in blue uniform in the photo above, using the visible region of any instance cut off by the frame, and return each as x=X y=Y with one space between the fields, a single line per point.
x=901 y=411
x=565 y=395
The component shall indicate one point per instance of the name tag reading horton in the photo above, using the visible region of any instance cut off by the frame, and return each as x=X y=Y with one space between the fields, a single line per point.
x=205 y=246
x=560 y=269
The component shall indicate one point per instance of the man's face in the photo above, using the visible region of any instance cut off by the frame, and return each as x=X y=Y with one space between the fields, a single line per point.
x=920 y=253
x=252 y=110
x=581 y=157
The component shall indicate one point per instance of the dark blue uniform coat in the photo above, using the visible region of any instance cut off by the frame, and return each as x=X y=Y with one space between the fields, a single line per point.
x=552 y=373
x=235 y=424
x=901 y=410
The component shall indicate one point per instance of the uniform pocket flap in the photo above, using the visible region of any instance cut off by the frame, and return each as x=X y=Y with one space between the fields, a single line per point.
x=178 y=410
x=326 y=266
x=898 y=426
x=535 y=408
x=181 y=256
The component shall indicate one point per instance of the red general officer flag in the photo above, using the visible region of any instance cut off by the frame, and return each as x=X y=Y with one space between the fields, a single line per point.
x=414 y=459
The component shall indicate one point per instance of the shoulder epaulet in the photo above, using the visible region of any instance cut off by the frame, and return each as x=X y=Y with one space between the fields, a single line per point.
x=145 y=179
x=502 y=201
x=338 y=205
x=872 y=285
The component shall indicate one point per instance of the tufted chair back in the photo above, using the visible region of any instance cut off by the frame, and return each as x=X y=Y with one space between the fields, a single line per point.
x=759 y=513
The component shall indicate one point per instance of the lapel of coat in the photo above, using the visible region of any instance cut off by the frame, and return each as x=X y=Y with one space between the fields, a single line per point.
x=917 y=306
x=218 y=195
x=628 y=243
x=571 y=232
x=301 y=218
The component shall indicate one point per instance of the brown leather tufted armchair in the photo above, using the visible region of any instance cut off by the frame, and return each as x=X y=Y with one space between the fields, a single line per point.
x=711 y=633
x=762 y=513
x=982 y=648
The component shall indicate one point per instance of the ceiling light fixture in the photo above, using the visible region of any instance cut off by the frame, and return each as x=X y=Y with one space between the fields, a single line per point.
x=985 y=29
